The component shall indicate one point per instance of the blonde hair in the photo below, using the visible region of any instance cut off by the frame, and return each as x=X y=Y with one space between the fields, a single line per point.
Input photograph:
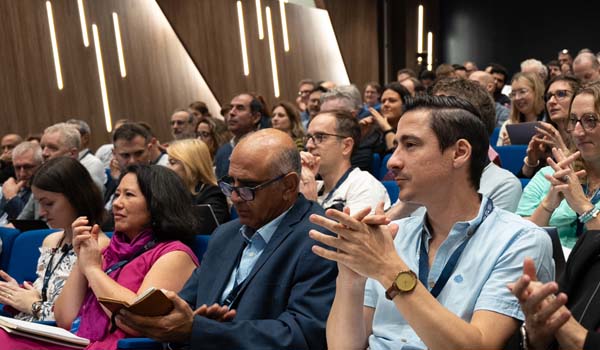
x=537 y=89
x=195 y=157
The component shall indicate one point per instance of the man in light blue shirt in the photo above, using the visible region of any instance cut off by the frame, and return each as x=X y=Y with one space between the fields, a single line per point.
x=441 y=282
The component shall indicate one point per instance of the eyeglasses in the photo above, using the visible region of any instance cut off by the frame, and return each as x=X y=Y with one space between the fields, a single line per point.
x=304 y=92
x=204 y=134
x=24 y=167
x=178 y=122
x=588 y=122
x=559 y=94
x=246 y=193
x=518 y=93
x=318 y=137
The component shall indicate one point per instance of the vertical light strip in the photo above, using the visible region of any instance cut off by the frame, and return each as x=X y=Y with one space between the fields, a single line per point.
x=84 y=31
x=59 y=80
x=420 y=33
x=429 y=51
x=101 y=77
x=272 y=51
x=119 y=45
x=243 y=38
x=286 y=41
x=259 y=19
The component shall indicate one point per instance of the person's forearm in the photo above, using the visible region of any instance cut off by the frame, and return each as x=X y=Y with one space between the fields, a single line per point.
x=70 y=299
x=571 y=335
x=389 y=141
x=345 y=325
x=104 y=286
x=541 y=215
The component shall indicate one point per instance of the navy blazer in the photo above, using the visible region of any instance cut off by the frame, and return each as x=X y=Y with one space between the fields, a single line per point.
x=286 y=298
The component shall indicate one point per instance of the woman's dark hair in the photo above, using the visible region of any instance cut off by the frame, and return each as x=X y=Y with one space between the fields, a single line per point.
x=573 y=82
x=399 y=89
x=168 y=201
x=68 y=177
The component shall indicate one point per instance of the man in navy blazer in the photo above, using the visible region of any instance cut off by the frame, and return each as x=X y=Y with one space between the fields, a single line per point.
x=260 y=265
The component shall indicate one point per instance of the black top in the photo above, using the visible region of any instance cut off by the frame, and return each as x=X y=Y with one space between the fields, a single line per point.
x=212 y=195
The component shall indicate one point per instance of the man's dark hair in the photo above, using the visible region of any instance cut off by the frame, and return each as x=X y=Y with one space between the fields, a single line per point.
x=399 y=89
x=319 y=88
x=129 y=131
x=167 y=200
x=68 y=177
x=375 y=85
x=346 y=125
x=407 y=71
x=553 y=63
x=459 y=67
x=499 y=69
x=472 y=92
x=427 y=74
x=452 y=119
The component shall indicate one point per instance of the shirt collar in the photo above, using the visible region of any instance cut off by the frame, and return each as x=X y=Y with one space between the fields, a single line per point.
x=266 y=231
x=461 y=228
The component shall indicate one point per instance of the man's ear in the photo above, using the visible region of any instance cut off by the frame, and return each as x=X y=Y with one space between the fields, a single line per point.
x=462 y=153
x=74 y=153
x=348 y=143
x=291 y=183
x=256 y=117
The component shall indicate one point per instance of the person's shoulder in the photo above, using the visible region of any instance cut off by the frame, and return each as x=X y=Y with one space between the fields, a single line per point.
x=361 y=176
x=52 y=240
x=493 y=172
x=506 y=222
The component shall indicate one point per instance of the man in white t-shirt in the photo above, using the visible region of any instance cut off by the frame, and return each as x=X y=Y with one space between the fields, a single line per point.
x=332 y=137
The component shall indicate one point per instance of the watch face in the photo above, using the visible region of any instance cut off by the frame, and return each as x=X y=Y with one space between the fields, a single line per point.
x=406 y=281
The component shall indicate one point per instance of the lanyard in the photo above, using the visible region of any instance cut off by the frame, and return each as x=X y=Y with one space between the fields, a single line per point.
x=50 y=270
x=124 y=262
x=451 y=264
x=337 y=185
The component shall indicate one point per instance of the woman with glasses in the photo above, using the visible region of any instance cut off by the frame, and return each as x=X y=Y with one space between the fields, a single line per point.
x=285 y=117
x=190 y=159
x=553 y=133
x=527 y=99
x=565 y=194
x=213 y=132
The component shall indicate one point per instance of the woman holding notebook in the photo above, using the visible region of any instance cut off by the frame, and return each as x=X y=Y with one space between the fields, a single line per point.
x=152 y=223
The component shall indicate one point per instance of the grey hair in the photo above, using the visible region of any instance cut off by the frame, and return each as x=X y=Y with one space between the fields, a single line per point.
x=70 y=135
x=287 y=161
x=188 y=111
x=349 y=93
x=587 y=56
x=27 y=146
x=538 y=65
x=82 y=126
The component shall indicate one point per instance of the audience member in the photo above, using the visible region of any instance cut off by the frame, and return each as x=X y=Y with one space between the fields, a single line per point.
x=27 y=157
x=445 y=70
x=486 y=80
x=93 y=165
x=190 y=159
x=564 y=57
x=565 y=194
x=200 y=110
x=347 y=97
x=405 y=73
x=183 y=124
x=460 y=71
x=442 y=149
x=372 y=94
x=532 y=65
x=8 y=143
x=244 y=117
x=500 y=75
x=214 y=133
x=314 y=104
x=427 y=78
x=158 y=155
x=471 y=67
x=305 y=87
x=105 y=152
x=553 y=69
x=552 y=133
x=586 y=67
x=285 y=117
x=261 y=264
x=392 y=102
x=65 y=191
x=527 y=97
x=413 y=85
x=331 y=139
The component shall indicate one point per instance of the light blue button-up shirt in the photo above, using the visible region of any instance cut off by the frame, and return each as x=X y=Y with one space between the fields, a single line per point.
x=255 y=246
x=492 y=259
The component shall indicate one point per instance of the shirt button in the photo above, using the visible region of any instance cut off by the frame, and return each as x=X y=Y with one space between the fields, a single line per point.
x=403 y=340
x=431 y=284
x=252 y=254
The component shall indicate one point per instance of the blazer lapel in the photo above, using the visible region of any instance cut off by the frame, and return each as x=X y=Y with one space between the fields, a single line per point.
x=286 y=227
x=226 y=264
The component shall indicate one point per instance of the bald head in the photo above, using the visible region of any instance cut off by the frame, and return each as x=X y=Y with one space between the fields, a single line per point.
x=586 y=67
x=485 y=79
x=276 y=151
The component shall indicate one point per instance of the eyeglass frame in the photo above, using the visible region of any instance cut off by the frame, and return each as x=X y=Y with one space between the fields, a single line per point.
x=520 y=92
x=319 y=135
x=556 y=93
x=580 y=121
x=228 y=188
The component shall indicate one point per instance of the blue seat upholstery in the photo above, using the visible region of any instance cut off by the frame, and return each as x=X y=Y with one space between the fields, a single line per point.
x=376 y=165
x=23 y=266
x=199 y=247
x=7 y=235
x=512 y=157
x=494 y=137
x=383 y=168
x=392 y=189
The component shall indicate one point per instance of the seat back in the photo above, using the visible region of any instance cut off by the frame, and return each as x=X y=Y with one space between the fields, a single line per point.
x=200 y=245
x=376 y=165
x=7 y=235
x=392 y=189
x=494 y=137
x=23 y=265
x=557 y=252
x=512 y=157
x=383 y=168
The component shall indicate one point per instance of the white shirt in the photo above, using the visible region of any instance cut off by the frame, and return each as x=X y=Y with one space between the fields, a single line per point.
x=94 y=166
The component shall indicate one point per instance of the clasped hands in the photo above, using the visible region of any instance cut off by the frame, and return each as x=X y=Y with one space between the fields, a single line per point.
x=364 y=243
x=85 y=244
x=565 y=182
x=175 y=326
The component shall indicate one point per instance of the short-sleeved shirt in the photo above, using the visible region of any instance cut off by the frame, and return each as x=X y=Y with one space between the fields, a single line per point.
x=563 y=217
x=492 y=258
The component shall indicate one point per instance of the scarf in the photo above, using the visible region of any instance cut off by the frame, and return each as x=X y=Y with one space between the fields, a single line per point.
x=94 y=321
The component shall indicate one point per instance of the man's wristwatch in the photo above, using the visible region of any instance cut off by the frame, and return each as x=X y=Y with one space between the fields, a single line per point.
x=36 y=308
x=405 y=282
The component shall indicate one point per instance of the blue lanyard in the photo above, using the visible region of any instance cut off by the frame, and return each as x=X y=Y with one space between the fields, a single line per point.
x=50 y=269
x=124 y=262
x=451 y=264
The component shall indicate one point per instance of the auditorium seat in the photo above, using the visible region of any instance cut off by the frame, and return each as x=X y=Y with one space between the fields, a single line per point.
x=7 y=235
x=512 y=157
x=22 y=265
